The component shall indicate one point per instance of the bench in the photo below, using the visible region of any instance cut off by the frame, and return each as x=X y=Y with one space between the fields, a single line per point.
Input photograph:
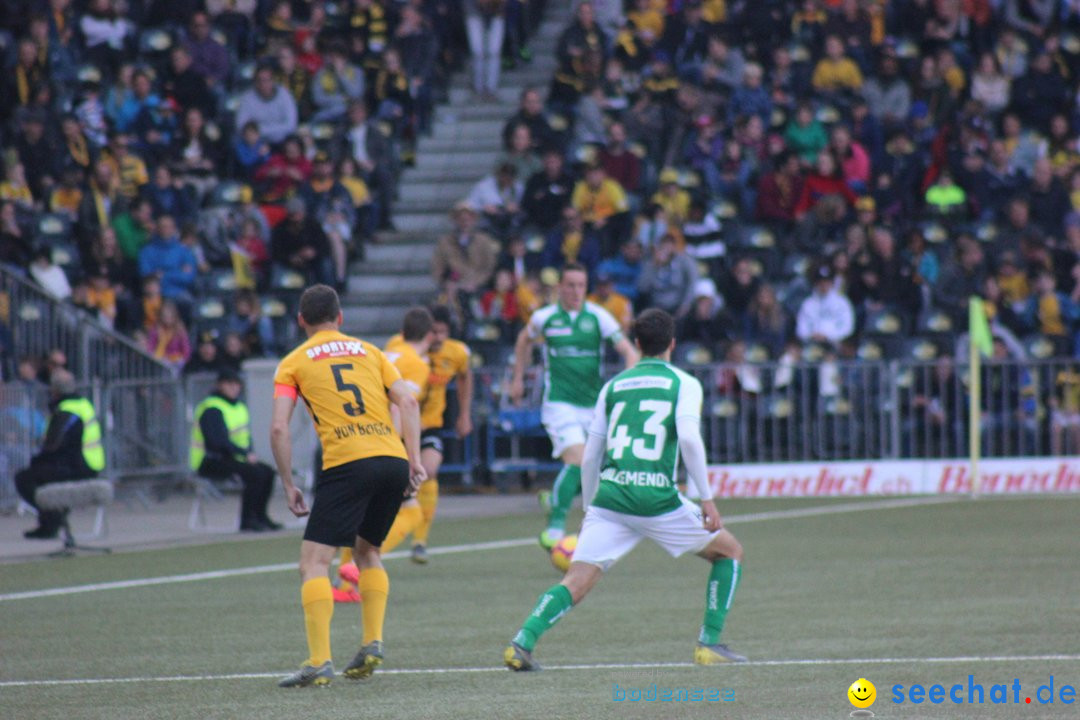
x=72 y=495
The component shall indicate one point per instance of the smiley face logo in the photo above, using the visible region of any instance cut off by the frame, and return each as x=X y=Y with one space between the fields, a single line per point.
x=862 y=693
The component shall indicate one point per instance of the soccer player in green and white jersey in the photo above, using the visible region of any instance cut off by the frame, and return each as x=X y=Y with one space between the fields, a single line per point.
x=573 y=333
x=645 y=418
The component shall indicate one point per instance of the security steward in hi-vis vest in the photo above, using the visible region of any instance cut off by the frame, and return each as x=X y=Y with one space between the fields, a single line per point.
x=221 y=446
x=72 y=451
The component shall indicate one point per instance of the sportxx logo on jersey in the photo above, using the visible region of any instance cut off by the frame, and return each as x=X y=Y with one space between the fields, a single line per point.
x=336 y=348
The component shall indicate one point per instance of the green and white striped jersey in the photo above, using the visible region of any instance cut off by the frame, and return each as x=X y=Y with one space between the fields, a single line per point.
x=636 y=414
x=573 y=350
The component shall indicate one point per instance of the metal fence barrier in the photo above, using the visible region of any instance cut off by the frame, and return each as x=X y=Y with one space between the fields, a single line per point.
x=40 y=325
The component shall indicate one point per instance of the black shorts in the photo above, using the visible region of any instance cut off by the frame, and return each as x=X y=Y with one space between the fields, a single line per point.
x=431 y=440
x=358 y=499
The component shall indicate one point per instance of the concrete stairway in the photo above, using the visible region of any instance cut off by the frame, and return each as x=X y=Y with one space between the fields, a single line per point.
x=464 y=146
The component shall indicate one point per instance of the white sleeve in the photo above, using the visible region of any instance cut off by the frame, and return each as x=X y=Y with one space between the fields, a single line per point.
x=691 y=446
x=595 y=446
x=610 y=329
x=536 y=323
x=692 y=449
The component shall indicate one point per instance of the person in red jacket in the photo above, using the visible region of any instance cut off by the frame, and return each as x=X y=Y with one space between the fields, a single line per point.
x=824 y=179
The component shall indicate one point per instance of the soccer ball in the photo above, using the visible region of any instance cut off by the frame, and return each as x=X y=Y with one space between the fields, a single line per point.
x=563 y=553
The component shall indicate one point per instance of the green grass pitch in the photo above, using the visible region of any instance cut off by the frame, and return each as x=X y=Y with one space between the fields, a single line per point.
x=955 y=579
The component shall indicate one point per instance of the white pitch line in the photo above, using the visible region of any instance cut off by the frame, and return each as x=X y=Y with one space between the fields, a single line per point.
x=589 y=666
x=453 y=549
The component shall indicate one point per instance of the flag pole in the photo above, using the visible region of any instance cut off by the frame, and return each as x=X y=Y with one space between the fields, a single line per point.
x=975 y=412
x=980 y=342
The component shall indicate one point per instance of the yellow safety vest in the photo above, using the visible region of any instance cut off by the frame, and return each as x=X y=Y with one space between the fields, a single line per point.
x=92 y=449
x=237 y=422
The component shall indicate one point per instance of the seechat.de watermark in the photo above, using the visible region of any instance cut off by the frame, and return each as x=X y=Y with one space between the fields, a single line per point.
x=973 y=693
x=663 y=693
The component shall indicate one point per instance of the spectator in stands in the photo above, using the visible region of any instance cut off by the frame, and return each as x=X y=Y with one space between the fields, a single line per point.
x=600 y=200
x=127 y=167
x=372 y=154
x=1051 y=312
x=134 y=227
x=625 y=269
x=499 y=305
x=826 y=316
x=1048 y=201
x=171 y=261
x=520 y=153
x=254 y=328
x=71 y=451
x=572 y=243
x=989 y=86
x=825 y=179
x=530 y=114
x=16 y=244
x=167 y=195
x=668 y=278
x=167 y=339
x=49 y=276
x=285 y=172
x=195 y=155
x=464 y=261
x=779 y=192
x=270 y=105
x=805 y=135
x=766 y=322
x=205 y=358
x=105 y=34
x=671 y=198
x=739 y=289
x=38 y=154
x=250 y=150
x=14 y=187
x=298 y=243
x=185 y=85
x=887 y=93
x=335 y=84
x=705 y=324
x=751 y=97
x=606 y=296
x=498 y=196
x=485 y=25
x=618 y=161
x=548 y=191
x=210 y=58
x=836 y=73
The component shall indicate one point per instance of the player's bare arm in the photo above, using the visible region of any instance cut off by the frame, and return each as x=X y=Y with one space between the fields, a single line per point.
x=628 y=352
x=281 y=445
x=522 y=353
x=401 y=395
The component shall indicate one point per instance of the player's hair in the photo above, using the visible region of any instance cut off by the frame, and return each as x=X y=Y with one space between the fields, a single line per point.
x=417 y=324
x=654 y=330
x=319 y=304
x=442 y=314
x=572 y=267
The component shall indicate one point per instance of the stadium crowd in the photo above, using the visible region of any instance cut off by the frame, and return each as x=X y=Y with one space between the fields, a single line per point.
x=778 y=175
x=150 y=146
x=826 y=177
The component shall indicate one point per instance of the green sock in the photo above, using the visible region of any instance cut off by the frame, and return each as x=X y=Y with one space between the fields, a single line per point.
x=552 y=605
x=723 y=580
x=567 y=487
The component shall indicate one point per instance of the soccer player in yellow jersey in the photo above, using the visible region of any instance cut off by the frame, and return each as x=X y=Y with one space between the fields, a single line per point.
x=348 y=386
x=449 y=359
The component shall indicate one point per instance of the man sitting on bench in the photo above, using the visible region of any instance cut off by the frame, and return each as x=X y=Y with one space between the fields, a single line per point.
x=221 y=447
x=72 y=451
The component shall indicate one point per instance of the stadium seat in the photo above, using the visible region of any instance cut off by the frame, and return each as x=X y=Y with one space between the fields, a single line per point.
x=921 y=349
x=73 y=495
x=52 y=227
x=229 y=193
x=886 y=322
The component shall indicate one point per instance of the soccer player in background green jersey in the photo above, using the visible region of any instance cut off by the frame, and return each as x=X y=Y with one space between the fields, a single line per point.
x=645 y=418
x=573 y=332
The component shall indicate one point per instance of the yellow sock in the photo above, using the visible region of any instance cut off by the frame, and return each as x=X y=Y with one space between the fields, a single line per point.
x=428 y=495
x=346 y=558
x=318 y=602
x=408 y=519
x=374 y=587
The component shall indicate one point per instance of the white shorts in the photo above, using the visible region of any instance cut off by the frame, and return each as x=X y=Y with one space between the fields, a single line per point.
x=567 y=425
x=606 y=536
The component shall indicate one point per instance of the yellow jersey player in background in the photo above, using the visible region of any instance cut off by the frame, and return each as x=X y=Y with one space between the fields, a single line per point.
x=449 y=359
x=348 y=386
x=409 y=353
